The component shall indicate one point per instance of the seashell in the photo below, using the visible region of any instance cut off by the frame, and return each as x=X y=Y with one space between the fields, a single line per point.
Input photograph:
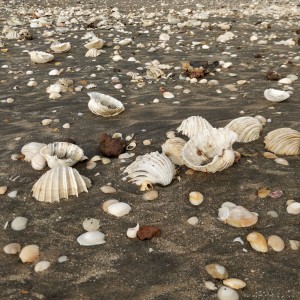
x=91 y=238
x=92 y=53
x=283 y=141
x=40 y=57
x=104 y=105
x=132 y=232
x=62 y=154
x=31 y=149
x=42 y=266
x=269 y=155
x=210 y=150
x=38 y=162
x=193 y=125
x=234 y=283
x=217 y=271
x=195 y=198
x=12 y=35
x=293 y=208
x=227 y=293
x=3 y=189
x=19 y=223
x=107 y=203
x=151 y=168
x=257 y=241
x=172 y=149
x=117 y=57
x=29 y=253
x=125 y=42
x=58 y=183
x=54 y=88
x=168 y=95
x=210 y=285
x=107 y=189
x=95 y=43
x=261 y=119
x=247 y=129
x=119 y=209
x=131 y=146
x=65 y=84
x=276 y=243
x=58 y=47
x=285 y=81
x=164 y=37
x=193 y=221
x=150 y=195
x=91 y=224
x=276 y=95
x=281 y=161
x=294 y=244
x=154 y=72
x=12 y=248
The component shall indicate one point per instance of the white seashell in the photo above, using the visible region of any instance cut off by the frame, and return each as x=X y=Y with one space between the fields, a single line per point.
x=151 y=168
x=294 y=244
x=223 y=213
x=62 y=259
x=131 y=146
x=107 y=189
x=107 y=203
x=62 y=154
x=150 y=195
x=58 y=47
x=234 y=283
x=168 y=95
x=196 y=198
x=173 y=148
x=283 y=141
x=276 y=243
x=31 y=149
x=55 y=72
x=164 y=37
x=42 y=266
x=193 y=125
x=38 y=162
x=12 y=35
x=119 y=209
x=91 y=224
x=54 y=96
x=40 y=57
x=293 y=208
x=93 y=52
x=261 y=119
x=227 y=293
x=217 y=271
x=223 y=38
x=12 y=248
x=117 y=57
x=59 y=183
x=132 y=232
x=19 y=223
x=29 y=253
x=257 y=241
x=247 y=129
x=193 y=221
x=281 y=161
x=54 y=88
x=285 y=81
x=210 y=150
x=95 y=43
x=125 y=42
x=12 y=194
x=104 y=105
x=276 y=95
x=91 y=238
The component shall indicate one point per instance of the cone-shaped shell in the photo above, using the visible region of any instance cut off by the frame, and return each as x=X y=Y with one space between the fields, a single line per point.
x=247 y=129
x=62 y=154
x=104 y=105
x=172 y=148
x=210 y=150
x=58 y=47
x=276 y=95
x=193 y=125
x=151 y=168
x=283 y=141
x=31 y=149
x=40 y=57
x=95 y=43
x=60 y=183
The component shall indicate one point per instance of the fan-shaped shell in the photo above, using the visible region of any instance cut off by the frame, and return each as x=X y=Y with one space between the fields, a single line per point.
x=154 y=72
x=210 y=150
x=31 y=149
x=193 y=125
x=247 y=128
x=94 y=43
x=283 y=141
x=276 y=95
x=104 y=105
x=58 y=47
x=40 y=57
x=62 y=154
x=151 y=168
x=172 y=148
x=60 y=183
x=93 y=52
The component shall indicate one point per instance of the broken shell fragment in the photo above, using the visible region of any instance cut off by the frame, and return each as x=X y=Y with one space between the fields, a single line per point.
x=172 y=148
x=193 y=125
x=12 y=248
x=119 y=209
x=40 y=57
x=227 y=293
x=132 y=232
x=210 y=285
x=257 y=241
x=234 y=283
x=93 y=52
x=294 y=244
x=276 y=95
x=217 y=271
x=29 y=253
x=91 y=224
x=95 y=43
x=58 y=47
x=276 y=243
x=3 y=189
x=91 y=238
x=42 y=266
x=196 y=198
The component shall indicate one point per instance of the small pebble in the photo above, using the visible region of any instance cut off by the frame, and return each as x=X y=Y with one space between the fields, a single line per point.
x=19 y=223
x=12 y=194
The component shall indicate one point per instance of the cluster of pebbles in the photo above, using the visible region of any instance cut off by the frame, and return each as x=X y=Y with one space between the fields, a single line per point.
x=50 y=41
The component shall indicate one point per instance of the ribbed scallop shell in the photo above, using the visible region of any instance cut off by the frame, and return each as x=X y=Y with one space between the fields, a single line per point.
x=31 y=149
x=276 y=95
x=210 y=150
x=151 y=168
x=283 y=141
x=40 y=57
x=193 y=125
x=58 y=47
x=12 y=35
x=92 y=53
x=172 y=148
x=247 y=129
x=60 y=183
x=104 y=105
x=94 y=43
x=62 y=154
x=154 y=73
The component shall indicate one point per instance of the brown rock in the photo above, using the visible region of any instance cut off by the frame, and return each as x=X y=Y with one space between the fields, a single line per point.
x=272 y=75
x=148 y=232
x=111 y=147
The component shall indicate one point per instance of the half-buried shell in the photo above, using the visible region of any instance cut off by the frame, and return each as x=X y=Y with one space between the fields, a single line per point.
x=172 y=148
x=40 y=57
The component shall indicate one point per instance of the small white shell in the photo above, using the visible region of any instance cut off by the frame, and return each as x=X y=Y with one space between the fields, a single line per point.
x=164 y=37
x=12 y=35
x=154 y=72
x=91 y=238
x=150 y=195
x=173 y=148
x=276 y=243
x=29 y=253
x=40 y=57
x=276 y=95
x=12 y=248
x=31 y=149
x=94 y=43
x=193 y=125
x=294 y=208
x=38 y=162
x=234 y=283
x=257 y=241
x=119 y=209
x=132 y=232
x=19 y=223
x=104 y=105
x=227 y=293
x=58 y=47
x=107 y=189
x=54 y=88
x=168 y=95
x=91 y=224
x=125 y=42
x=195 y=198
x=42 y=266
x=92 y=53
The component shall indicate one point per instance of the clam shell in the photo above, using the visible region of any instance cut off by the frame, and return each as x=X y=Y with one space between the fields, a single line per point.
x=247 y=129
x=234 y=283
x=58 y=47
x=217 y=271
x=29 y=253
x=193 y=125
x=227 y=293
x=31 y=149
x=93 y=52
x=151 y=168
x=59 y=183
x=38 y=162
x=95 y=43
x=257 y=241
x=91 y=238
x=239 y=216
x=12 y=35
x=210 y=150
x=62 y=154
x=42 y=266
x=283 y=141
x=276 y=243
x=40 y=57
x=104 y=105
x=119 y=209
x=276 y=95
x=293 y=208
x=172 y=148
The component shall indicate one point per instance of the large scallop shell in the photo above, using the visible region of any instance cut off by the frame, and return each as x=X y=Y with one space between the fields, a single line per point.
x=247 y=129
x=31 y=149
x=62 y=154
x=40 y=57
x=172 y=148
x=210 y=150
x=283 y=141
x=193 y=125
x=95 y=43
x=59 y=47
x=276 y=95
x=104 y=105
x=151 y=168
x=59 y=183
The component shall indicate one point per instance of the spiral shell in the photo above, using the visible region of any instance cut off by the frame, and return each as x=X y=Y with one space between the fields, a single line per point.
x=193 y=125
x=172 y=148
x=31 y=149
x=58 y=183
x=40 y=57
x=58 y=47
x=276 y=95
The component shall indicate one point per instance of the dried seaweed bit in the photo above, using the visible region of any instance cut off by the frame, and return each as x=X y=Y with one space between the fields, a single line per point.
x=196 y=69
x=148 y=232
x=111 y=147
x=272 y=75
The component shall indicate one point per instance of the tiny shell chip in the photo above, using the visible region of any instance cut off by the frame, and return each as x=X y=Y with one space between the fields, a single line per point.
x=294 y=244
x=210 y=285
x=42 y=266
x=119 y=209
x=276 y=95
x=168 y=95
x=217 y=271
x=91 y=238
x=234 y=283
x=227 y=293
x=12 y=248
x=29 y=253
x=40 y=57
x=91 y=224
x=132 y=232
x=257 y=241
x=276 y=243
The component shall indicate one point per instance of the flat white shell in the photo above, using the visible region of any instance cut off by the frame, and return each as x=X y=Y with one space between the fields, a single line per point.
x=227 y=293
x=95 y=43
x=193 y=125
x=276 y=95
x=172 y=148
x=42 y=266
x=104 y=105
x=58 y=183
x=31 y=149
x=40 y=57
x=119 y=209
x=294 y=208
x=91 y=238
